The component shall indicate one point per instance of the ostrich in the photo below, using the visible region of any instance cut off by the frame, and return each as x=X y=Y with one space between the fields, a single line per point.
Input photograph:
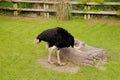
x=56 y=37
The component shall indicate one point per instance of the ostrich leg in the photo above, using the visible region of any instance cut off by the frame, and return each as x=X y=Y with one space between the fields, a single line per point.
x=58 y=59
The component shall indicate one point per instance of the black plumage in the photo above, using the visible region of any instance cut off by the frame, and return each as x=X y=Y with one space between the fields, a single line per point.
x=58 y=37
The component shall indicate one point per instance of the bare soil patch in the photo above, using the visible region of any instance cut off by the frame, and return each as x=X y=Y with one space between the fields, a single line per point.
x=69 y=67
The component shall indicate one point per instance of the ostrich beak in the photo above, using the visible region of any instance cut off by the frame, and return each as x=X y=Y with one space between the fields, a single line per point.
x=36 y=41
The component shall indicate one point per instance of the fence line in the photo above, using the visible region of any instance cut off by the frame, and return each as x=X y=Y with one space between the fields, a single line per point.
x=46 y=9
x=71 y=2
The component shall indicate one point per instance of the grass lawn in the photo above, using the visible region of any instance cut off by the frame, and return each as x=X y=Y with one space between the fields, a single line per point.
x=18 y=54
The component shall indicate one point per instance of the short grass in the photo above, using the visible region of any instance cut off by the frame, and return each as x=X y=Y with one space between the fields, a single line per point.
x=18 y=54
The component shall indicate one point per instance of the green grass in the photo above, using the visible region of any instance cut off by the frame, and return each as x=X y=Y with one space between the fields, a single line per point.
x=18 y=54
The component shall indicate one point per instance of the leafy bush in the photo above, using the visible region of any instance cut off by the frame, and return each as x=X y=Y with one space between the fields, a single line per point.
x=24 y=5
x=10 y=4
x=6 y=4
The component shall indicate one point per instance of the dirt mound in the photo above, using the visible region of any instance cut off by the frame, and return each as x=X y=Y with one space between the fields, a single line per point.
x=69 y=67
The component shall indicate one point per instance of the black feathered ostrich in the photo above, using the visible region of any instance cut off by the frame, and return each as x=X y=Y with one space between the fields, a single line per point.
x=57 y=37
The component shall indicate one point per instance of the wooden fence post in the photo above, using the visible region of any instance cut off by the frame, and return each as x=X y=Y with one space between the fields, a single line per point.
x=87 y=8
x=46 y=7
x=88 y=16
x=15 y=7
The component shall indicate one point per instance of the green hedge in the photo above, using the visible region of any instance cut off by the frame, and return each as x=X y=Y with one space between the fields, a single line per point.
x=6 y=4
x=10 y=4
